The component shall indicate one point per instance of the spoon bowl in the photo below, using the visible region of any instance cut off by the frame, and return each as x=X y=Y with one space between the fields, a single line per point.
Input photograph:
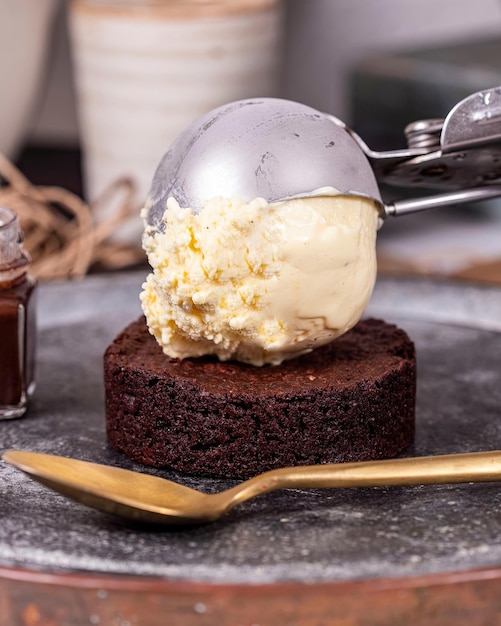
x=145 y=498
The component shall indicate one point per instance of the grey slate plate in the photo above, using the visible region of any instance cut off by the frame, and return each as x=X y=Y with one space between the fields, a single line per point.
x=329 y=535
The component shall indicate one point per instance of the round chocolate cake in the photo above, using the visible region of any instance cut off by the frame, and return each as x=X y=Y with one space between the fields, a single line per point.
x=350 y=400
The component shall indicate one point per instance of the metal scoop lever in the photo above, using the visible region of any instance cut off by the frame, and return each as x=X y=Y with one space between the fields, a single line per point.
x=462 y=151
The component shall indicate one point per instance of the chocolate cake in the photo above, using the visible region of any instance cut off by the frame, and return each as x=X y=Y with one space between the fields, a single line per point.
x=350 y=400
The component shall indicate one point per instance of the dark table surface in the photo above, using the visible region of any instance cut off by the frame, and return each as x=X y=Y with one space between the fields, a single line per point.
x=310 y=536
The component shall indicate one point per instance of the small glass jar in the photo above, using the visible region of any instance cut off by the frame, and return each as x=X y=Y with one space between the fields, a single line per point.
x=17 y=319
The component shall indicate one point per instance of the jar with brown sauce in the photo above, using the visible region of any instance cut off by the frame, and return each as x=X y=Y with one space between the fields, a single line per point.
x=17 y=319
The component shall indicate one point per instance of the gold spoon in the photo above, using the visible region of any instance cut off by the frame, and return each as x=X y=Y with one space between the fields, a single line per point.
x=156 y=500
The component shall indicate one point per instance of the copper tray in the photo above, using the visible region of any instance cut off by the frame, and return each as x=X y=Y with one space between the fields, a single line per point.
x=417 y=555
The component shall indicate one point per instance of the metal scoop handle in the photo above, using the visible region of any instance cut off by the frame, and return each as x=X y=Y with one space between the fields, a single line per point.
x=466 y=196
x=461 y=151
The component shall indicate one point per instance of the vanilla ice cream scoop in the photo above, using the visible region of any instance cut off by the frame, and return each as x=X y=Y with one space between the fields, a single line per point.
x=260 y=230
x=256 y=281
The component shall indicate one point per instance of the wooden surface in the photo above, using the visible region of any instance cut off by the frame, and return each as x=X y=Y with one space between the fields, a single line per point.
x=29 y=598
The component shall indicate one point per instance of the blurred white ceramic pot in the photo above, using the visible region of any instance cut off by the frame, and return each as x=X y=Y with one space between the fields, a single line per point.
x=144 y=70
x=24 y=42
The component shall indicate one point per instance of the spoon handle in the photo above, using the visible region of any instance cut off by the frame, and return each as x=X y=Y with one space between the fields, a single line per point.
x=428 y=470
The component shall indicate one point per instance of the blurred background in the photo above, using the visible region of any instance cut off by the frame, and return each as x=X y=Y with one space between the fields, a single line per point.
x=94 y=91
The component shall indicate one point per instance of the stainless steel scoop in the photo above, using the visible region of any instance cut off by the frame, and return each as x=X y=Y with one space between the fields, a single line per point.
x=278 y=149
x=269 y=148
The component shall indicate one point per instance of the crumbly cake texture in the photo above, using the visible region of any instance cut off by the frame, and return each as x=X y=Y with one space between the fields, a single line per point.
x=350 y=400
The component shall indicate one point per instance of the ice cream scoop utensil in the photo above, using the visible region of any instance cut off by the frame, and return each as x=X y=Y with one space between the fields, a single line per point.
x=260 y=148
x=279 y=149
x=146 y=498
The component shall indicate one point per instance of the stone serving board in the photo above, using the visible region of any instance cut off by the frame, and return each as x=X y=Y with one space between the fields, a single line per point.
x=287 y=536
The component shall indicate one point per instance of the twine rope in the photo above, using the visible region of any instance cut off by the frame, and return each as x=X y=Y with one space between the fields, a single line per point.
x=59 y=229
